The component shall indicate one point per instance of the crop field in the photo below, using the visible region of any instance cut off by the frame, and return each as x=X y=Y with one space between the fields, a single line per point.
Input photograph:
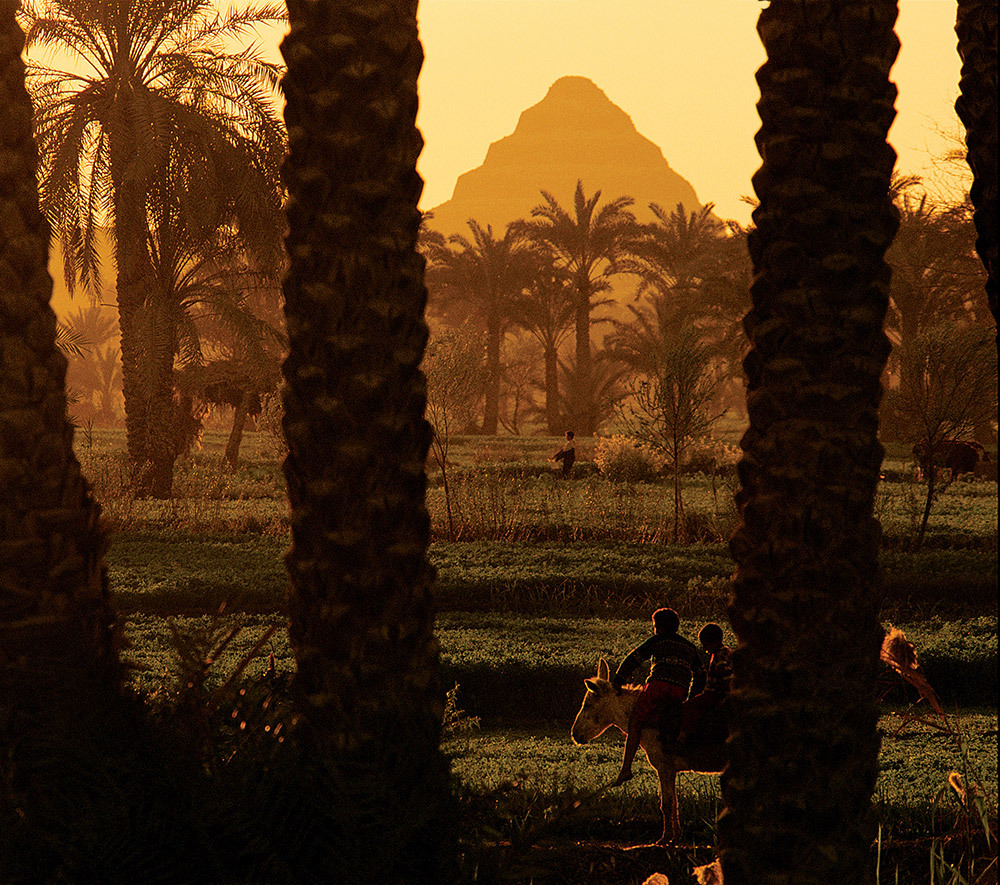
x=539 y=579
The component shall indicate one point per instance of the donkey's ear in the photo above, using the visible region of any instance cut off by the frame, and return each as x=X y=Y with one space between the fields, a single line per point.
x=591 y=685
x=603 y=671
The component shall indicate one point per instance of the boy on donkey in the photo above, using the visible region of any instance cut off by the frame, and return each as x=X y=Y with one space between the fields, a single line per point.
x=718 y=684
x=676 y=662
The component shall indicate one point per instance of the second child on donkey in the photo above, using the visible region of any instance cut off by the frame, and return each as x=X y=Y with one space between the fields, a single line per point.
x=676 y=663
x=718 y=684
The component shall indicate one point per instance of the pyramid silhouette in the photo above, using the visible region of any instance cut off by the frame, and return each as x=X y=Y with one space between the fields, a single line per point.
x=575 y=132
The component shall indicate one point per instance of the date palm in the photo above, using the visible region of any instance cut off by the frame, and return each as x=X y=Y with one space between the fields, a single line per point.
x=588 y=244
x=976 y=27
x=487 y=273
x=143 y=79
x=360 y=596
x=804 y=745
x=204 y=253
x=545 y=310
x=53 y=590
x=673 y=254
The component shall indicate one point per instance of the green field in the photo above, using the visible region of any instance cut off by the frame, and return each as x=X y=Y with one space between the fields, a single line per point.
x=541 y=579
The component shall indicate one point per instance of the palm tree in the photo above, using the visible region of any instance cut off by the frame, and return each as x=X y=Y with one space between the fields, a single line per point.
x=360 y=596
x=96 y=368
x=545 y=310
x=976 y=27
x=589 y=245
x=149 y=83
x=488 y=274
x=53 y=596
x=932 y=268
x=673 y=254
x=804 y=745
x=695 y=272
x=204 y=255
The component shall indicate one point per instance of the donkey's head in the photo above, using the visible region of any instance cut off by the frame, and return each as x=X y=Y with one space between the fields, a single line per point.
x=602 y=707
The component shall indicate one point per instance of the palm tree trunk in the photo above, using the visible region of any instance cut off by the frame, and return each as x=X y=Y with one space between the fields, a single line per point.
x=552 y=390
x=804 y=748
x=360 y=596
x=582 y=407
x=240 y=413
x=163 y=440
x=53 y=585
x=134 y=282
x=491 y=412
x=976 y=27
x=59 y=667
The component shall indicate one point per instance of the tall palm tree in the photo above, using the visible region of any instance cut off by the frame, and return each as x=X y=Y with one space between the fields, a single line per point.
x=203 y=253
x=976 y=27
x=804 y=746
x=487 y=273
x=145 y=79
x=360 y=597
x=589 y=245
x=545 y=310
x=54 y=599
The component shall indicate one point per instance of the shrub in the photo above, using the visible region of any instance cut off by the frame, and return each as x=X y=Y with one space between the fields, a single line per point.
x=624 y=459
x=708 y=455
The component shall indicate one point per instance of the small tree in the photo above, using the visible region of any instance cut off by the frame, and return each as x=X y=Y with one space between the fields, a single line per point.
x=668 y=407
x=453 y=364
x=953 y=372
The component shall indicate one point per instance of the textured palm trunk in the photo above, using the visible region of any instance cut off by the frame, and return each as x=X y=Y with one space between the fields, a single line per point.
x=552 y=390
x=53 y=589
x=360 y=596
x=804 y=748
x=583 y=412
x=58 y=637
x=976 y=27
x=491 y=411
x=161 y=421
x=134 y=281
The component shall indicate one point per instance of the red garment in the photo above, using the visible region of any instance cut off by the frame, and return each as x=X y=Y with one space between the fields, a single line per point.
x=654 y=696
x=696 y=707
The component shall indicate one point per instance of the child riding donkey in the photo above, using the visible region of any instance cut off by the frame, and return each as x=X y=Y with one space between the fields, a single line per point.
x=717 y=686
x=676 y=663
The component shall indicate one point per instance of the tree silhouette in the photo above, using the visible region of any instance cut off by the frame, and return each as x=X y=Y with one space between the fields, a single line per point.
x=153 y=95
x=933 y=271
x=804 y=744
x=976 y=27
x=588 y=245
x=64 y=741
x=360 y=599
x=545 y=310
x=488 y=274
x=673 y=255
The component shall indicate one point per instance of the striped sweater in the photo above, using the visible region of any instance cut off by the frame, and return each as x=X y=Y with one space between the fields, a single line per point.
x=675 y=660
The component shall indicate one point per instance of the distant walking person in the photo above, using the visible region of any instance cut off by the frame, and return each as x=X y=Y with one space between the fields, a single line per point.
x=567 y=454
x=676 y=663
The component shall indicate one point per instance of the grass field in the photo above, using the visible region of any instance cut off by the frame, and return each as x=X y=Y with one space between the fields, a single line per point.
x=541 y=578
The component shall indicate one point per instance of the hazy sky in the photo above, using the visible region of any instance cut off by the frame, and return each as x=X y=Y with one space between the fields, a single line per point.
x=682 y=69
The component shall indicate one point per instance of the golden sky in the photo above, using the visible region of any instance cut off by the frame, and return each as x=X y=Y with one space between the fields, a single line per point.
x=682 y=69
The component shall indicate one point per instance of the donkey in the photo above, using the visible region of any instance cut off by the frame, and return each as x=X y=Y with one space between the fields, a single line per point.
x=604 y=706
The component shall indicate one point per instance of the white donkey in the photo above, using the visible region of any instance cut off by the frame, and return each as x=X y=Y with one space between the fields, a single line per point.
x=604 y=706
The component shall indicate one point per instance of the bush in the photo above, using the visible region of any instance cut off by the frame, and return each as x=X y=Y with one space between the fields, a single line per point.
x=709 y=456
x=624 y=459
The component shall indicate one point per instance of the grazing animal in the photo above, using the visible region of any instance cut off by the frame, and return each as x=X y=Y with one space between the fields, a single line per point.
x=958 y=456
x=603 y=707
